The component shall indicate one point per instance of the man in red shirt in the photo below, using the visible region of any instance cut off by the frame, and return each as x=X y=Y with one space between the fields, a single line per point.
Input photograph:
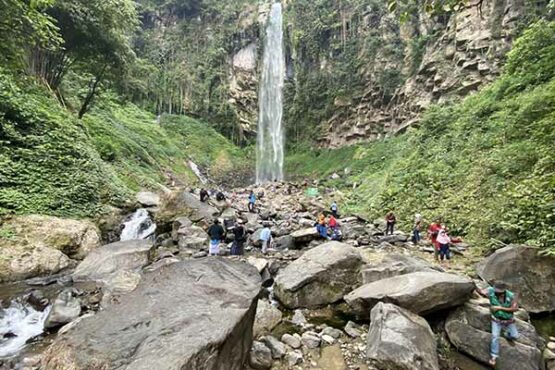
x=433 y=230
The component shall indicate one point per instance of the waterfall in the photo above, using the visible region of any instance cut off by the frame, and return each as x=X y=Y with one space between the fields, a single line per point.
x=18 y=323
x=197 y=172
x=138 y=226
x=271 y=137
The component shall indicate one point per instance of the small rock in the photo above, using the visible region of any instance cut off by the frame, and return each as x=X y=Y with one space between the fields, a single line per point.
x=328 y=339
x=294 y=358
x=548 y=354
x=260 y=356
x=310 y=340
x=352 y=330
x=291 y=341
x=551 y=346
x=276 y=347
x=332 y=332
x=200 y=254
x=298 y=318
x=66 y=308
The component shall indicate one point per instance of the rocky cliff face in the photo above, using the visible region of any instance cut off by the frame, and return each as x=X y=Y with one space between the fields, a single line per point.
x=355 y=72
x=461 y=53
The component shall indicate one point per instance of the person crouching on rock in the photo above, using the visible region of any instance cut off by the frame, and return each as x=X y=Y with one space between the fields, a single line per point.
x=204 y=195
x=239 y=234
x=503 y=305
x=217 y=235
x=444 y=241
x=266 y=238
x=321 y=227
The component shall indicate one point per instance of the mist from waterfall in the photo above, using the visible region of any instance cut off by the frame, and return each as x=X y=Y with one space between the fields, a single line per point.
x=271 y=136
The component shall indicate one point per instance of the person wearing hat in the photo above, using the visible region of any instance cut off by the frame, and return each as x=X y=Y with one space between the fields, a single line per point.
x=503 y=305
x=239 y=234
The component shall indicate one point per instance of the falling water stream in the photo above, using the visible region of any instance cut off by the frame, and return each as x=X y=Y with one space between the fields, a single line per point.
x=138 y=226
x=271 y=137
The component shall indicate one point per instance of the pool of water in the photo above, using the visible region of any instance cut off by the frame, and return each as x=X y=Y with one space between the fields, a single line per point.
x=545 y=325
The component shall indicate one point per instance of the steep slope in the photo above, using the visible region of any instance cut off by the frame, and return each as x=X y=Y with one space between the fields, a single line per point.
x=52 y=163
x=486 y=165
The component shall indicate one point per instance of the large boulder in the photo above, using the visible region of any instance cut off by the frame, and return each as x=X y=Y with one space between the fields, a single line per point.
x=195 y=314
x=384 y=266
x=421 y=292
x=304 y=235
x=527 y=273
x=42 y=245
x=103 y=262
x=19 y=262
x=186 y=204
x=320 y=276
x=469 y=327
x=148 y=199
x=401 y=340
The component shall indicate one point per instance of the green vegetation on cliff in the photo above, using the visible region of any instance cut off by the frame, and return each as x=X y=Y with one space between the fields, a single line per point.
x=53 y=163
x=486 y=165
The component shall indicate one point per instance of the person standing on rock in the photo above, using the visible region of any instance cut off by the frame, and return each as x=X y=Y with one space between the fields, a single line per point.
x=417 y=228
x=204 y=195
x=390 y=223
x=334 y=209
x=252 y=201
x=239 y=234
x=217 y=235
x=433 y=231
x=444 y=242
x=266 y=238
x=503 y=305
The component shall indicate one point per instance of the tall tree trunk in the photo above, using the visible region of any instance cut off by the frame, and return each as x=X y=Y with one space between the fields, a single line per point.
x=92 y=91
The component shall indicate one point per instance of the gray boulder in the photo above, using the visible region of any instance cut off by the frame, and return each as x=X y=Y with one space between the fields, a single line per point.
x=277 y=348
x=388 y=265
x=527 y=273
x=319 y=277
x=102 y=262
x=260 y=356
x=421 y=292
x=267 y=318
x=401 y=340
x=195 y=314
x=304 y=235
x=185 y=204
x=66 y=308
x=468 y=329
x=148 y=199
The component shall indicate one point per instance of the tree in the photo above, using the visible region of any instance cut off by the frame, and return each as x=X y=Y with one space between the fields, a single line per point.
x=25 y=24
x=433 y=7
x=96 y=40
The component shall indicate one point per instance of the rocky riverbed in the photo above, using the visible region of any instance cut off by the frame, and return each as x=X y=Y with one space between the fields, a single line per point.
x=367 y=302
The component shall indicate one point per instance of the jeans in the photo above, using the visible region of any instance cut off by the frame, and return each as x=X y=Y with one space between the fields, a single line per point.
x=444 y=252
x=389 y=228
x=496 y=328
x=415 y=236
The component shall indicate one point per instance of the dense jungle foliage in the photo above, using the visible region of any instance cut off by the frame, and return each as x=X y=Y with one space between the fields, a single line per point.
x=485 y=165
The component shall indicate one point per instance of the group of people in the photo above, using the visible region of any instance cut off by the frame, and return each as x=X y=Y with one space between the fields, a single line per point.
x=328 y=228
x=437 y=232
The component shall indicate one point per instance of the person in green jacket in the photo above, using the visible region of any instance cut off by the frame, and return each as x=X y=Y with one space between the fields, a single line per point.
x=503 y=305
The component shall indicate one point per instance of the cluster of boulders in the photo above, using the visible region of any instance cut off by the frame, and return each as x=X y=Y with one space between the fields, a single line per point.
x=157 y=303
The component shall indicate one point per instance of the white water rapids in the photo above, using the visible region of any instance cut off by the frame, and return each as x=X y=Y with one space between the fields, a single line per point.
x=138 y=226
x=271 y=136
x=19 y=323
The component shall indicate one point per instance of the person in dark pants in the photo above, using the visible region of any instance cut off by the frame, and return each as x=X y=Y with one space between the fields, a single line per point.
x=204 y=195
x=217 y=235
x=334 y=209
x=390 y=223
x=239 y=236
